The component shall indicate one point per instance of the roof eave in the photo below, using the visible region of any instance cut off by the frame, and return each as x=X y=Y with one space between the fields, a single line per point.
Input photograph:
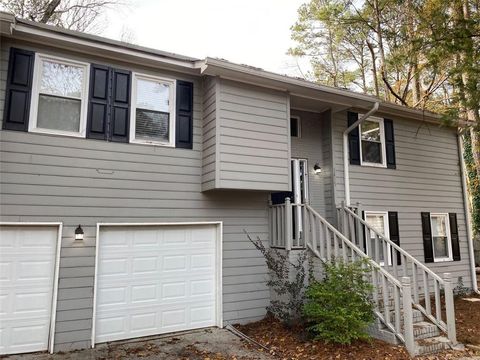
x=299 y=87
x=89 y=44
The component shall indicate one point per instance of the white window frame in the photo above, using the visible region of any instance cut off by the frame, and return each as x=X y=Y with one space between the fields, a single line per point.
x=383 y=146
x=384 y=214
x=37 y=78
x=299 y=126
x=172 y=108
x=449 y=238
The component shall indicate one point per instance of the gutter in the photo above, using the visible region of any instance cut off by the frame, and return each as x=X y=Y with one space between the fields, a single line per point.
x=468 y=216
x=346 y=167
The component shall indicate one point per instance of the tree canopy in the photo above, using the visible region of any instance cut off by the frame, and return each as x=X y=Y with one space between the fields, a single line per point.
x=80 y=15
x=419 y=53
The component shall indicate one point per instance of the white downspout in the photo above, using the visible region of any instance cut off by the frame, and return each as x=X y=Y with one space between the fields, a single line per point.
x=346 y=173
x=468 y=217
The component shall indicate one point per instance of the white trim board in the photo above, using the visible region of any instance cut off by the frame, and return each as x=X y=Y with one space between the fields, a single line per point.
x=218 y=253
x=53 y=315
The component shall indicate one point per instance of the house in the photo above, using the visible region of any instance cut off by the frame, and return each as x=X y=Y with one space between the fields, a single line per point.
x=128 y=177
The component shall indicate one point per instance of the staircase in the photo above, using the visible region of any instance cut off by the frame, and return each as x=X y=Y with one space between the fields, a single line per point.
x=407 y=294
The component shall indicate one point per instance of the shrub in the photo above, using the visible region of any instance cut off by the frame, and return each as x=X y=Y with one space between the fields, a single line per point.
x=461 y=290
x=288 y=280
x=339 y=308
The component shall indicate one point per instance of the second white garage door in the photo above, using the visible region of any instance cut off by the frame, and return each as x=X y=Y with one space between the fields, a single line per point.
x=155 y=279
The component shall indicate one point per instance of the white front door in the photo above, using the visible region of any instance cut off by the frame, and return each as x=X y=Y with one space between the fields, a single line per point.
x=300 y=194
x=155 y=279
x=300 y=181
x=27 y=274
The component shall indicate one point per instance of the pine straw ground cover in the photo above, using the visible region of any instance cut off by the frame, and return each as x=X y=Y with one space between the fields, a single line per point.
x=295 y=344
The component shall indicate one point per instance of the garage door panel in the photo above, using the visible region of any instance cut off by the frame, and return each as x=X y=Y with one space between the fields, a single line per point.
x=26 y=286
x=155 y=280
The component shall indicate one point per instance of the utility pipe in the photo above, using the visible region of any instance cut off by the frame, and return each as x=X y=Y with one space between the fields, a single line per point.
x=468 y=217
x=346 y=173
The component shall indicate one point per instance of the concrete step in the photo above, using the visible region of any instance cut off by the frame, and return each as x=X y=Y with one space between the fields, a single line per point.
x=432 y=345
x=425 y=330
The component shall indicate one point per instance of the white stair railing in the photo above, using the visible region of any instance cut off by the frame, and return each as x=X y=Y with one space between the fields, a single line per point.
x=362 y=234
x=389 y=295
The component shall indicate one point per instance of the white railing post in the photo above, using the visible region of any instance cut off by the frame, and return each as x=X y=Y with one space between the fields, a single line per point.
x=343 y=216
x=450 y=308
x=270 y=222
x=408 y=316
x=288 y=224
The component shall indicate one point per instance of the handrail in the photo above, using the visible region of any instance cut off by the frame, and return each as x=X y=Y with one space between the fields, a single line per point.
x=395 y=246
x=409 y=263
x=352 y=245
x=294 y=225
x=384 y=283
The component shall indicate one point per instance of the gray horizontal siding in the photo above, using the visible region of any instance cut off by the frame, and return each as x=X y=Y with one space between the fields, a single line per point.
x=252 y=143
x=310 y=146
x=82 y=181
x=209 y=134
x=427 y=178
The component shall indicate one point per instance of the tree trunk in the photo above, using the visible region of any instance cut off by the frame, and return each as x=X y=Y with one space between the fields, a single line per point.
x=374 y=68
x=50 y=10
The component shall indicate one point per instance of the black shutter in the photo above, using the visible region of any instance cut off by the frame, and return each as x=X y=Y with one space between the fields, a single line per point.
x=184 y=114
x=353 y=140
x=454 y=236
x=18 y=90
x=109 y=104
x=98 y=105
x=120 y=106
x=394 y=234
x=427 y=237
x=390 y=144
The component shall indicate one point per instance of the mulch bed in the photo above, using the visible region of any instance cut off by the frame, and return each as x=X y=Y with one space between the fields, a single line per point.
x=295 y=344
x=468 y=320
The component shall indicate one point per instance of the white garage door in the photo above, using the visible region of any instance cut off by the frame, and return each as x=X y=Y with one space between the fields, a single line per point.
x=155 y=279
x=27 y=268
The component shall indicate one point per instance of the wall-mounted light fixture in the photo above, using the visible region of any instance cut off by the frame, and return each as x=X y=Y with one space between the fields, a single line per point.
x=317 y=169
x=79 y=233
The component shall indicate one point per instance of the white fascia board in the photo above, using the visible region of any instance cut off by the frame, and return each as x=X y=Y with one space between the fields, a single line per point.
x=103 y=49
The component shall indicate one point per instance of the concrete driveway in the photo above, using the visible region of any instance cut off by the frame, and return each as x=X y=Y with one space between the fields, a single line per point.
x=212 y=343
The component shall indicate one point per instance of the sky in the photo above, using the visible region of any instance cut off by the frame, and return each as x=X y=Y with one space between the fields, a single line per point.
x=252 y=32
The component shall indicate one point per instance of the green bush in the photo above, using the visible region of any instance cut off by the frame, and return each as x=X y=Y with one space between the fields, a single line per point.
x=339 y=308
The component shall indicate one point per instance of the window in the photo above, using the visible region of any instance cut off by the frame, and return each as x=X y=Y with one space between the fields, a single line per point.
x=379 y=221
x=59 y=96
x=295 y=126
x=153 y=115
x=441 y=243
x=372 y=149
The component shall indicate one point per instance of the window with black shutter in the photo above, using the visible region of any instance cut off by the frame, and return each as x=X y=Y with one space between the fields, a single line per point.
x=372 y=143
x=440 y=237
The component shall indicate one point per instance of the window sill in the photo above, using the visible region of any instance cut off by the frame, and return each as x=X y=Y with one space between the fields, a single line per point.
x=58 y=132
x=366 y=164
x=442 y=260
x=151 y=143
